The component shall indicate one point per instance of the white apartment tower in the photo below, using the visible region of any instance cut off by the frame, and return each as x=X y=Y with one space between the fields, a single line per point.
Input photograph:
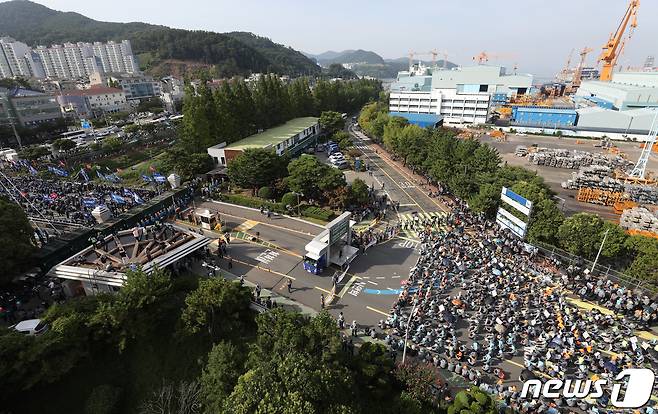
x=17 y=59
x=67 y=61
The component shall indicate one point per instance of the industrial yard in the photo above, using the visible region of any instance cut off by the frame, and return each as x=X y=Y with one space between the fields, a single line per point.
x=629 y=151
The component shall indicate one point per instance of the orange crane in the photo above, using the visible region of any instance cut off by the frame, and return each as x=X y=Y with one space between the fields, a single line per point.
x=575 y=83
x=565 y=70
x=483 y=57
x=615 y=44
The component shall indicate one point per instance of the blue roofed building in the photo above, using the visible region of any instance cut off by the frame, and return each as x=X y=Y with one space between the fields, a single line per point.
x=422 y=120
x=543 y=117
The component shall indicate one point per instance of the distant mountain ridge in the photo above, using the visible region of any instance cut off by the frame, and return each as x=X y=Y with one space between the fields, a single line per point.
x=228 y=53
x=368 y=63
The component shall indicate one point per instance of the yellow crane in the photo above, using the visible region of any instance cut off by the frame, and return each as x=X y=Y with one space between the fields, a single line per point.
x=615 y=44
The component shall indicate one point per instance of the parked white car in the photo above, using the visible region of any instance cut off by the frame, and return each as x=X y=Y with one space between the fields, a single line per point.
x=31 y=327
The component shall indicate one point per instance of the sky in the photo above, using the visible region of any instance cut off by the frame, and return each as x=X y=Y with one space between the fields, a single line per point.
x=535 y=35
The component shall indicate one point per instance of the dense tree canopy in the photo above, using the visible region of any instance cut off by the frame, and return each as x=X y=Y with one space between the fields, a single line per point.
x=16 y=235
x=307 y=175
x=256 y=167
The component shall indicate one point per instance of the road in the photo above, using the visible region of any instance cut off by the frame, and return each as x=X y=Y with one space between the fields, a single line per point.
x=399 y=184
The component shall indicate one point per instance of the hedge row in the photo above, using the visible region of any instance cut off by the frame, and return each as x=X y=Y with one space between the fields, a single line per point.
x=253 y=202
x=318 y=213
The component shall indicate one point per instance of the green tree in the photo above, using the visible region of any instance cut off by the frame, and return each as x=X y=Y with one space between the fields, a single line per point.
x=217 y=305
x=221 y=374
x=545 y=221
x=358 y=192
x=486 y=200
x=16 y=236
x=255 y=168
x=331 y=121
x=63 y=144
x=473 y=401
x=112 y=144
x=187 y=164
x=33 y=152
x=307 y=175
x=645 y=258
x=581 y=234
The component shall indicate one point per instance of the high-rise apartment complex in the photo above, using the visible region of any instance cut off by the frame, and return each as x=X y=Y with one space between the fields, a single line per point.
x=67 y=61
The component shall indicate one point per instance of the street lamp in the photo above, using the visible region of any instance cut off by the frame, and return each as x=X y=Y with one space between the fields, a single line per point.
x=299 y=213
x=406 y=333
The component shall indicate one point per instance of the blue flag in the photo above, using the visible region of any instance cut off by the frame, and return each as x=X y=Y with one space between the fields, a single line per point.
x=117 y=198
x=100 y=175
x=137 y=198
x=58 y=171
x=158 y=178
x=89 y=202
x=146 y=178
x=84 y=175
x=32 y=170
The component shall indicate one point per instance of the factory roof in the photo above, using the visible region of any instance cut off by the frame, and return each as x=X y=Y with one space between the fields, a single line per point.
x=547 y=110
x=276 y=135
x=92 y=91
x=422 y=120
x=620 y=86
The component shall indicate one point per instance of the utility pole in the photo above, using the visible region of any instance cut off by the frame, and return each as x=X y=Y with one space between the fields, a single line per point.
x=13 y=127
x=605 y=235
x=406 y=332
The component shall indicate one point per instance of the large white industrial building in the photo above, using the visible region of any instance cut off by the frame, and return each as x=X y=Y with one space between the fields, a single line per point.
x=460 y=95
x=624 y=104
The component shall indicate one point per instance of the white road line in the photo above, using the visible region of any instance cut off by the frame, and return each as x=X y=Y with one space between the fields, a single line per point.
x=395 y=277
x=380 y=277
x=371 y=282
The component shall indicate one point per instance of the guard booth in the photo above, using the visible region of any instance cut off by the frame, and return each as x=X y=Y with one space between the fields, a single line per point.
x=332 y=246
x=207 y=219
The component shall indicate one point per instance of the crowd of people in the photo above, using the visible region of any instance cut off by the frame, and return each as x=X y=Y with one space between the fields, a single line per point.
x=479 y=297
x=69 y=201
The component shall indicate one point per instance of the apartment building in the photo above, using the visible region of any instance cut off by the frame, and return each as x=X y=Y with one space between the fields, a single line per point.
x=66 y=61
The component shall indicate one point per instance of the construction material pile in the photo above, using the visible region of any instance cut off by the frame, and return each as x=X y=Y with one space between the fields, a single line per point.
x=568 y=159
x=639 y=218
x=600 y=177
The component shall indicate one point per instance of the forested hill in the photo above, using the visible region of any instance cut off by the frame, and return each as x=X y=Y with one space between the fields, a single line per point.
x=228 y=53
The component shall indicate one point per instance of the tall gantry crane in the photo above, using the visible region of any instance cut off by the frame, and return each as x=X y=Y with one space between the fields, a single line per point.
x=577 y=75
x=641 y=166
x=615 y=44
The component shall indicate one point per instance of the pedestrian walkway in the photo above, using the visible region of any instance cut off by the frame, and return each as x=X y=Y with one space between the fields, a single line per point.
x=411 y=224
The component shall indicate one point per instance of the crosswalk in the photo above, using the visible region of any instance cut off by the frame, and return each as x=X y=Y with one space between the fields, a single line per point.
x=412 y=224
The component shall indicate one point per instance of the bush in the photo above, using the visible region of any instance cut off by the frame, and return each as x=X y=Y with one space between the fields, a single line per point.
x=289 y=199
x=104 y=399
x=318 y=213
x=265 y=193
x=253 y=202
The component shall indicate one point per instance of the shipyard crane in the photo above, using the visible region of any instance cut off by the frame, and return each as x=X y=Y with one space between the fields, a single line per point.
x=641 y=166
x=565 y=71
x=575 y=83
x=615 y=44
x=483 y=57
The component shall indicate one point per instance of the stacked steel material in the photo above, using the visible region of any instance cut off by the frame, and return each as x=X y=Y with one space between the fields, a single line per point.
x=639 y=218
x=600 y=177
x=567 y=159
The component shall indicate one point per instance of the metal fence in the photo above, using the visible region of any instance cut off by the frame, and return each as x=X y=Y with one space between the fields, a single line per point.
x=604 y=271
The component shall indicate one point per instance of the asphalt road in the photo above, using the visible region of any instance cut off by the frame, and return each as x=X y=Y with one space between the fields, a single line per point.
x=397 y=183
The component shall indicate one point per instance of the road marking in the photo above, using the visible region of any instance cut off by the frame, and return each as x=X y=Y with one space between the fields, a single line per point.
x=358 y=287
x=323 y=290
x=246 y=225
x=404 y=173
x=377 y=310
x=371 y=282
x=408 y=205
x=380 y=277
x=214 y=208
x=395 y=277
x=347 y=286
x=267 y=256
x=263 y=269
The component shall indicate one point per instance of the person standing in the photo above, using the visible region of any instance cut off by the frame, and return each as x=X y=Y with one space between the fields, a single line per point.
x=341 y=321
x=322 y=300
x=289 y=285
x=354 y=328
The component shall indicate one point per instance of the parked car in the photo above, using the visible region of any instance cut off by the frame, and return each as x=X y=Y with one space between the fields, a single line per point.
x=31 y=327
x=336 y=157
x=341 y=164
